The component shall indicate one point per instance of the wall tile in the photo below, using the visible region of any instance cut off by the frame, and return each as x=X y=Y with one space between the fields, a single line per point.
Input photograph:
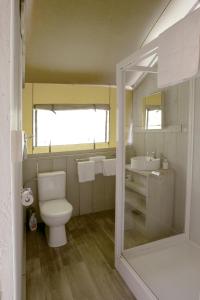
x=29 y=169
x=150 y=143
x=139 y=143
x=171 y=106
x=45 y=165
x=73 y=187
x=98 y=197
x=109 y=192
x=59 y=164
x=183 y=103
x=86 y=195
x=195 y=205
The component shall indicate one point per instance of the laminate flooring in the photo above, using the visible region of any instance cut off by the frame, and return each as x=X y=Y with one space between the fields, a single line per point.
x=81 y=270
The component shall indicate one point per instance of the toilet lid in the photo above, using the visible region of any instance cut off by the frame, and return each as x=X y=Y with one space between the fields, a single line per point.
x=55 y=207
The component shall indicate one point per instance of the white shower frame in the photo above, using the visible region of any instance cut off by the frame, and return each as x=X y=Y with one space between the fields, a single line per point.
x=135 y=283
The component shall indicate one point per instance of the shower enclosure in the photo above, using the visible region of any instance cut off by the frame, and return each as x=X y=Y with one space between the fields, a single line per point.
x=154 y=250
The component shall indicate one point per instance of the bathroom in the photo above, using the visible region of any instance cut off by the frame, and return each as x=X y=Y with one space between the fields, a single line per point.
x=100 y=193
x=152 y=215
x=93 y=201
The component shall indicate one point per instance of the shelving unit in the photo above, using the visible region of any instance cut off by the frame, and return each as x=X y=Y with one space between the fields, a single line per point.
x=149 y=200
x=139 y=219
x=135 y=201
x=136 y=187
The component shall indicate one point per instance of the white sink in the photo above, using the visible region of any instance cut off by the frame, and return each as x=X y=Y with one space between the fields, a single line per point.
x=145 y=163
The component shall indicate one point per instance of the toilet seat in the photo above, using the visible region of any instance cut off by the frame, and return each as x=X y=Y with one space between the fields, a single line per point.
x=55 y=208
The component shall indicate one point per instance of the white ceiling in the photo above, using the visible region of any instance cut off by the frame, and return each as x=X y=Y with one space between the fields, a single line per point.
x=80 y=41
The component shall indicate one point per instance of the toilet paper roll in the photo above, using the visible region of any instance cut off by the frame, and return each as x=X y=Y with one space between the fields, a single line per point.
x=27 y=197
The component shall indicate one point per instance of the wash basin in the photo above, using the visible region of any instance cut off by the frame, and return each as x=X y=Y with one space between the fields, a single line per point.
x=145 y=163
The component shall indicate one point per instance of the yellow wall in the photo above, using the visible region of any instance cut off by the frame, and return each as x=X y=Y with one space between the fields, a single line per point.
x=153 y=100
x=38 y=93
x=27 y=115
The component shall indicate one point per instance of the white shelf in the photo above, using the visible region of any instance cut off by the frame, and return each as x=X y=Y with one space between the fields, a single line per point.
x=139 y=220
x=135 y=201
x=143 y=173
x=137 y=187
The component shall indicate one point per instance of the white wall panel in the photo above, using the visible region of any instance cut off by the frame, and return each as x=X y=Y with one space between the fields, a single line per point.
x=171 y=143
x=195 y=206
x=11 y=218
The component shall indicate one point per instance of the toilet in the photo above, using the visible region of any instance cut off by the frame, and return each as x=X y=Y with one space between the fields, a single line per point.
x=55 y=210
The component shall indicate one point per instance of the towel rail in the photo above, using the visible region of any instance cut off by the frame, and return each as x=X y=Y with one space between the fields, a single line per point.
x=81 y=159
x=87 y=158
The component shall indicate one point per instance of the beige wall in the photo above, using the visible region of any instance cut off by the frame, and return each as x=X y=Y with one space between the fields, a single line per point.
x=35 y=93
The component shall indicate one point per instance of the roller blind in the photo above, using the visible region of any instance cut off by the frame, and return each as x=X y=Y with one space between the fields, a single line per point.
x=56 y=107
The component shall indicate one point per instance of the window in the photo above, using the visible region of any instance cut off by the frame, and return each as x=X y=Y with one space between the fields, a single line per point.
x=68 y=125
x=153 y=118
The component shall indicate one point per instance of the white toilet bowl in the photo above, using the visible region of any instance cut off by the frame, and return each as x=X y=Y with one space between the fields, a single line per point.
x=55 y=210
x=55 y=214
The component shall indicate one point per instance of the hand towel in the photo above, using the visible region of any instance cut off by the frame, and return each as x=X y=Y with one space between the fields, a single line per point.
x=97 y=158
x=178 y=51
x=98 y=163
x=109 y=167
x=86 y=171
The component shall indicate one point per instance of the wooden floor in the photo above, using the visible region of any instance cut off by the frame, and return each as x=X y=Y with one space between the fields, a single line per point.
x=81 y=270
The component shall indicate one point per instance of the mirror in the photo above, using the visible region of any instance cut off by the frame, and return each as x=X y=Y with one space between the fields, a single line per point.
x=155 y=169
x=153 y=111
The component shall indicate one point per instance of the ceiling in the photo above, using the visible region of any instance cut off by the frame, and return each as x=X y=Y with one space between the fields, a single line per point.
x=80 y=41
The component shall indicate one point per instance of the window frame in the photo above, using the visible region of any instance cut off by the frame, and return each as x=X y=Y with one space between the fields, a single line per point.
x=63 y=107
